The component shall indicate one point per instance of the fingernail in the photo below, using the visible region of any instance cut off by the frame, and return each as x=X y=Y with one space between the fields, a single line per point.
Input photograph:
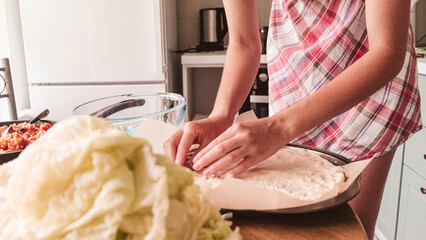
x=227 y=175
x=196 y=166
x=206 y=173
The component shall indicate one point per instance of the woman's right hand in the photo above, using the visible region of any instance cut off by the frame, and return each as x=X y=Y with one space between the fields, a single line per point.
x=200 y=132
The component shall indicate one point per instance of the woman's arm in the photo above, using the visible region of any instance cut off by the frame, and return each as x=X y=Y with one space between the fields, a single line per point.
x=242 y=63
x=242 y=57
x=387 y=26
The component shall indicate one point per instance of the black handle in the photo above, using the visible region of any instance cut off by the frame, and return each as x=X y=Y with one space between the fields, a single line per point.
x=222 y=24
x=116 y=107
x=40 y=116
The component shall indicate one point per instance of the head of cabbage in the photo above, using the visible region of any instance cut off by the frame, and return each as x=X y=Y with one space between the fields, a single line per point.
x=87 y=179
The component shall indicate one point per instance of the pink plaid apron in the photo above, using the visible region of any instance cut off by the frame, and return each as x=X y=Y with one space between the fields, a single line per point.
x=310 y=42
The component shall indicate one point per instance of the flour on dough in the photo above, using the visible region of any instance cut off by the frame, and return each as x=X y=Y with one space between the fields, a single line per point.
x=301 y=174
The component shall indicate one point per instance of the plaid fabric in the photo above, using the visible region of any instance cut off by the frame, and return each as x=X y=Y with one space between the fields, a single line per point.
x=310 y=42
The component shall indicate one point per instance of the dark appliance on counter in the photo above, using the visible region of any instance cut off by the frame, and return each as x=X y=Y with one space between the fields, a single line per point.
x=213 y=29
x=258 y=98
x=263 y=32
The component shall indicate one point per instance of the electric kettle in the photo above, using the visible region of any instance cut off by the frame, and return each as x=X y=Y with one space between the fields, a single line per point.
x=213 y=29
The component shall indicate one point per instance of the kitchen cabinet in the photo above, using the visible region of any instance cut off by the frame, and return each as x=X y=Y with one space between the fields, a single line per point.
x=387 y=219
x=412 y=212
x=415 y=153
x=403 y=209
x=412 y=207
x=422 y=88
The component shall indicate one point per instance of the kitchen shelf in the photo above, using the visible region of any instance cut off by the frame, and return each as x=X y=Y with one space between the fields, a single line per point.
x=216 y=58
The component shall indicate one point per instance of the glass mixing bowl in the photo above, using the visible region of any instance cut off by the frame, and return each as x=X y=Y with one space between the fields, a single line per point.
x=128 y=110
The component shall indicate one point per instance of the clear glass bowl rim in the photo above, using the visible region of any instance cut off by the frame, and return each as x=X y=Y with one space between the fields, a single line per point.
x=118 y=120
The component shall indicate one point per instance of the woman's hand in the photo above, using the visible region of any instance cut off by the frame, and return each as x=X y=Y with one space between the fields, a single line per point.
x=241 y=65
x=246 y=143
x=200 y=132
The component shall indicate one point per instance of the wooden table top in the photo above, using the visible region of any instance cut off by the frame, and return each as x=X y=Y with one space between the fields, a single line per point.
x=340 y=222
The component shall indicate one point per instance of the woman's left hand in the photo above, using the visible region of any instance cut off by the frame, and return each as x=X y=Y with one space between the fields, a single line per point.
x=247 y=143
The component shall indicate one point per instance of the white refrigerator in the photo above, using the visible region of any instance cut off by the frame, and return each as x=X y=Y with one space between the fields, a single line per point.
x=80 y=50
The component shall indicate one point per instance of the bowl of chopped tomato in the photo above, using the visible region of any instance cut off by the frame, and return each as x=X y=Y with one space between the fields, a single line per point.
x=19 y=136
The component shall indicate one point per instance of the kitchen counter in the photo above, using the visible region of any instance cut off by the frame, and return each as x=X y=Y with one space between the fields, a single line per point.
x=339 y=222
x=209 y=58
x=217 y=58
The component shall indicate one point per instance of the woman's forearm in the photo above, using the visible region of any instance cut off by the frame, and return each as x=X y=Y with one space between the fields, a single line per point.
x=352 y=86
x=242 y=64
x=242 y=57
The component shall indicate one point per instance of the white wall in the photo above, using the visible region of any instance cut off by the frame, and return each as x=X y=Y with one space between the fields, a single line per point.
x=4 y=52
x=4 y=42
x=11 y=46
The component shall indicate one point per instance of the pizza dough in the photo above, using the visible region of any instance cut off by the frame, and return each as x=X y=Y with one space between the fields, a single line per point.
x=297 y=172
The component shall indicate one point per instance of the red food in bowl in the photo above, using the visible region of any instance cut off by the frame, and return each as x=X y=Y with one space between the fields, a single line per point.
x=20 y=135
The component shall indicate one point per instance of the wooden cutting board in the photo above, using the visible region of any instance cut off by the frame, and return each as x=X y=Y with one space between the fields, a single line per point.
x=340 y=222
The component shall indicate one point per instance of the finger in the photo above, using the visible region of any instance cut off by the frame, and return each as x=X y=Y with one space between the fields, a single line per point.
x=170 y=146
x=192 y=151
x=221 y=138
x=185 y=143
x=243 y=166
x=230 y=159
x=216 y=153
x=196 y=151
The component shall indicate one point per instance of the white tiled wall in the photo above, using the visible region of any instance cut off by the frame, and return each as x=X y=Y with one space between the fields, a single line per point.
x=188 y=18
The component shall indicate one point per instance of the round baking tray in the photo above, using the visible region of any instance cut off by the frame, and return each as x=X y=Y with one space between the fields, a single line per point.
x=341 y=198
x=9 y=156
